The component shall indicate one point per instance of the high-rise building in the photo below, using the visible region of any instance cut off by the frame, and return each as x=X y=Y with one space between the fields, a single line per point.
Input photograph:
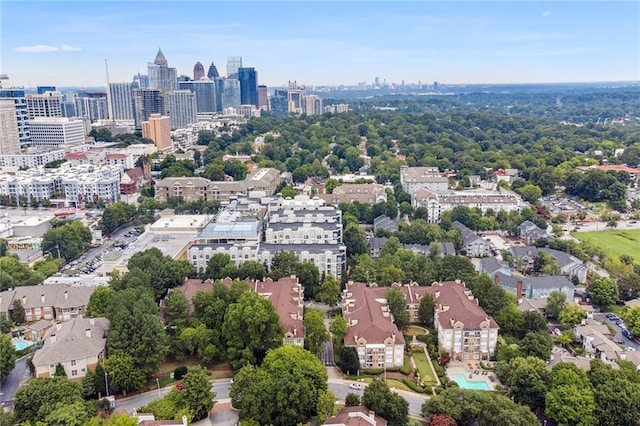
x=198 y=71
x=92 y=106
x=213 y=72
x=181 y=106
x=313 y=105
x=248 y=78
x=230 y=93
x=56 y=131
x=44 y=105
x=160 y=75
x=234 y=63
x=205 y=93
x=158 y=129
x=296 y=95
x=22 y=114
x=43 y=89
x=279 y=106
x=68 y=105
x=9 y=135
x=145 y=103
x=120 y=101
x=140 y=81
x=263 y=101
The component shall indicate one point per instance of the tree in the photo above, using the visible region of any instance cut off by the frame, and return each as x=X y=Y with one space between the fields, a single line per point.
x=40 y=396
x=631 y=318
x=284 y=391
x=309 y=277
x=136 y=329
x=352 y=400
x=603 y=291
x=426 y=309
x=534 y=321
x=252 y=269
x=7 y=356
x=89 y=385
x=326 y=406
x=571 y=315
x=116 y=215
x=355 y=240
x=338 y=329
x=537 y=344
x=547 y=264
x=617 y=399
x=67 y=241
x=288 y=192
x=164 y=272
x=315 y=331
x=216 y=266
x=176 y=310
x=284 y=264
x=123 y=374
x=17 y=313
x=570 y=400
x=391 y=406
x=197 y=396
x=329 y=291
x=4 y=247
x=397 y=304
x=555 y=303
x=528 y=382
x=100 y=301
x=349 y=361
x=74 y=414
x=530 y=193
x=251 y=327
x=59 y=371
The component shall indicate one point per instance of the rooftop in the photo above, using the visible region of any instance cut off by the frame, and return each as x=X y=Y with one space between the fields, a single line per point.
x=75 y=339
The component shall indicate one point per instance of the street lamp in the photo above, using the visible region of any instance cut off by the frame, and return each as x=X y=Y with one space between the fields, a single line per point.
x=158 y=382
x=106 y=382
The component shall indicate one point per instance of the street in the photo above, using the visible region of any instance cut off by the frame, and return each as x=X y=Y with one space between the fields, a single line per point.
x=619 y=337
x=11 y=383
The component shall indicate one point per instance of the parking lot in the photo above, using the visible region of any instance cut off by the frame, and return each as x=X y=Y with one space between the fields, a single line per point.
x=619 y=337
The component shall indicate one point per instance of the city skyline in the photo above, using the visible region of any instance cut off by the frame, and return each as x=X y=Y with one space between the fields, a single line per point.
x=324 y=43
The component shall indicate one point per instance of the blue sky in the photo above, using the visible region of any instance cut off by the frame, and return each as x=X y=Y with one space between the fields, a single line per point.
x=66 y=42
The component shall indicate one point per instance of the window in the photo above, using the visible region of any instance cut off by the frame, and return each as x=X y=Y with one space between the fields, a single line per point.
x=73 y=362
x=74 y=373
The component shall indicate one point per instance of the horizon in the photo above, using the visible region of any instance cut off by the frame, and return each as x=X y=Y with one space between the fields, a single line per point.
x=313 y=43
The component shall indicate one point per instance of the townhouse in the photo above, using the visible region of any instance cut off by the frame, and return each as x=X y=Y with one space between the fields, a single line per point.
x=48 y=302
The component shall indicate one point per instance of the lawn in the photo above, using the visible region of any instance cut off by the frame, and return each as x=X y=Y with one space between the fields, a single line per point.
x=415 y=330
x=424 y=368
x=615 y=242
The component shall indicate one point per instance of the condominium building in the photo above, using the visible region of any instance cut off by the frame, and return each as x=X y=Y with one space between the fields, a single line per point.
x=158 y=129
x=92 y=106
x=205 y=94
x=44 y=105
x=145 y=103
x=31 y=158
x=414 y=178
x=120 y=97
x=313 y=105
x=162 y=77
x=9 y=136
x=370 y=193
x=181 y=107
x=56 y=131
x=17 y=96
x=287 y=296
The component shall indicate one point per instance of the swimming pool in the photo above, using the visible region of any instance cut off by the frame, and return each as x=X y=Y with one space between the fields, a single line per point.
x=462 y=381
x=21 y=344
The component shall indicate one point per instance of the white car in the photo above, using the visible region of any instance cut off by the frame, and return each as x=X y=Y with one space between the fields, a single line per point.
x=356 y=386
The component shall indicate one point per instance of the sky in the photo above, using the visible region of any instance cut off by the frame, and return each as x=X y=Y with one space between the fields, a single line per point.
x=65 y=43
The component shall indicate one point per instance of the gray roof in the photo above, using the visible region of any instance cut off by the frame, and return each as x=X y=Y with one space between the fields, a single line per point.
x=72 y=342
x=40 y=325
x=526 y=251
x=231 y=230
x=298 y=248
x=182 y=181
x=55 y=295
x=448 y=248
x=563 y=259
x=490 y=265
x=468 y=236
x=279 y=226
x=554 y=282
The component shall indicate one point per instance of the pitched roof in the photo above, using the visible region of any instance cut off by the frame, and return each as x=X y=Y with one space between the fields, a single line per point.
x=76 y=339
x=356 y=416
x=468 y=236
x=56 y=295
x=563 y=259
x=455 y=303
x=525 y=251
x=286 y=296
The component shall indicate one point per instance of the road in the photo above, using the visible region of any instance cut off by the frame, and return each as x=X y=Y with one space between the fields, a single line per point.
x=619 y=337
x=11 y=383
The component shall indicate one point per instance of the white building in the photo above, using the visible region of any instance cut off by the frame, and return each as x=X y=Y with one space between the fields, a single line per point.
x=47 y=104
x=56 y=132
x=9 y=135
x=30 y=158
x=120 y=101
x=414 y=178
x=313 y=105
x=181 y=107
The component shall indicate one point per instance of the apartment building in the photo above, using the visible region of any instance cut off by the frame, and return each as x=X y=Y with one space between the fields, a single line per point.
x=59 y=302
x=472 y=243
x=370 y=193
x=414 y=178
x=287 y=296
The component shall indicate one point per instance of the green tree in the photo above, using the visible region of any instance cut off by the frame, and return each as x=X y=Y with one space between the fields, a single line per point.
x=315 y=331
x=100 y=301
x=17 y=312
x=617 y=399
x=326 y=406
x=631 y=318
x=352 y=400
x=309 y=277
x=89 y=385
x=603 y=291
x=537 y=344
x=355 y=240
x=534 y=321
x=288 y=192
x=68 y=414
x=4 y=247
x=196 y=393
x=571 y=315
x=7 y=356
x=570 y=400
x=397 y=304
x=349 y=361
x=59 y=371
x=284 y=264
x=176 y=310
x=67 y=241
x=530 y=193
x=252 y=269
x=329 y=291
x=164 y=272
x=338 y=329
x=555 y=303
x=528 y=381
x=217 y=265
x=391 y=406
x=40 y=396
x=116 y=215
x=251 y=327
x=426 y=309
x=124 y=376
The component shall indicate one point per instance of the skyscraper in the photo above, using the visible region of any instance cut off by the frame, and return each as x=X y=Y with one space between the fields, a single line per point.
x=296 y=95
x=181 y=106
x=158 y=129
x=234 y=63
x=43 y=89
x=230 y=93
x=205 y=94
x=198 y=71
x=120 y=101
x=146 y=102
x=279 y=106
x=263 y=101
x=160 y=75
x=9 y=136
x=92 y=106
x=248 y=78
x=213 y=72
x=17 y=96
x=45 y=105
x=140 y=81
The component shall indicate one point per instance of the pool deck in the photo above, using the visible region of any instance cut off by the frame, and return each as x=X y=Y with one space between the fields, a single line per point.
x=473 y=375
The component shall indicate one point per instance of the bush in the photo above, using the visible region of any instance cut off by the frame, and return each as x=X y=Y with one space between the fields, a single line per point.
x=406 y=368
x=485 y=367
x=180 y=372
x=372 y=371
x=438 y=390
x=414 y=387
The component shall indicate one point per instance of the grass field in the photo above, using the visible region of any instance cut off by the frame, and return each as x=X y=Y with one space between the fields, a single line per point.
x=426 y=374
x=614 y=242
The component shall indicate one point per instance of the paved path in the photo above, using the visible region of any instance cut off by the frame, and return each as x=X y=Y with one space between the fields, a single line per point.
x=11 y=383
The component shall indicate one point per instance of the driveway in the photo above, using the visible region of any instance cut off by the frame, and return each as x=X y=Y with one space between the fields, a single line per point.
x=619 y=337
x=11 y=383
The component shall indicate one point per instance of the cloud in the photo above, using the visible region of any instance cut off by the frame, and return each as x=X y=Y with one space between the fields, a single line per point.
x=44 y=48
x=546 y=13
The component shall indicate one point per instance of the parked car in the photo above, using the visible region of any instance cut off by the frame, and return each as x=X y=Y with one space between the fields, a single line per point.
x=613 y=318
x=356 y=386
x=620 y=323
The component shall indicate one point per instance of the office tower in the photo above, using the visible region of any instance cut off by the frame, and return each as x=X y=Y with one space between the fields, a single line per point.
x=234 y=63
x=68 y=105
x=9 y=136
x=248 y=78
x=281 y=92
x=45 y=105
x=313 y=105
x=183 y=78
x=92 y=106
x=296 y=95
x=145 y=103
x=56 y=131
x=205 y=94
x=121 y=101
x=158 y=129
x=263 y=101
x=198 y=71
x=213 y=72
x=140 y=81
x=377 y=82
x=17 y=96
x=160 y=75
x=435 y=85
x=43 y=89
x=279 y=106
x=230 y=93
x=181 y=107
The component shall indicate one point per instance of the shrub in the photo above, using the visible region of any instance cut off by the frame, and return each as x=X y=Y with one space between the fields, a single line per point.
x=372 y=371
x=413 y=386
x=438 y=390
x=406 y=368
x=180 y=372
